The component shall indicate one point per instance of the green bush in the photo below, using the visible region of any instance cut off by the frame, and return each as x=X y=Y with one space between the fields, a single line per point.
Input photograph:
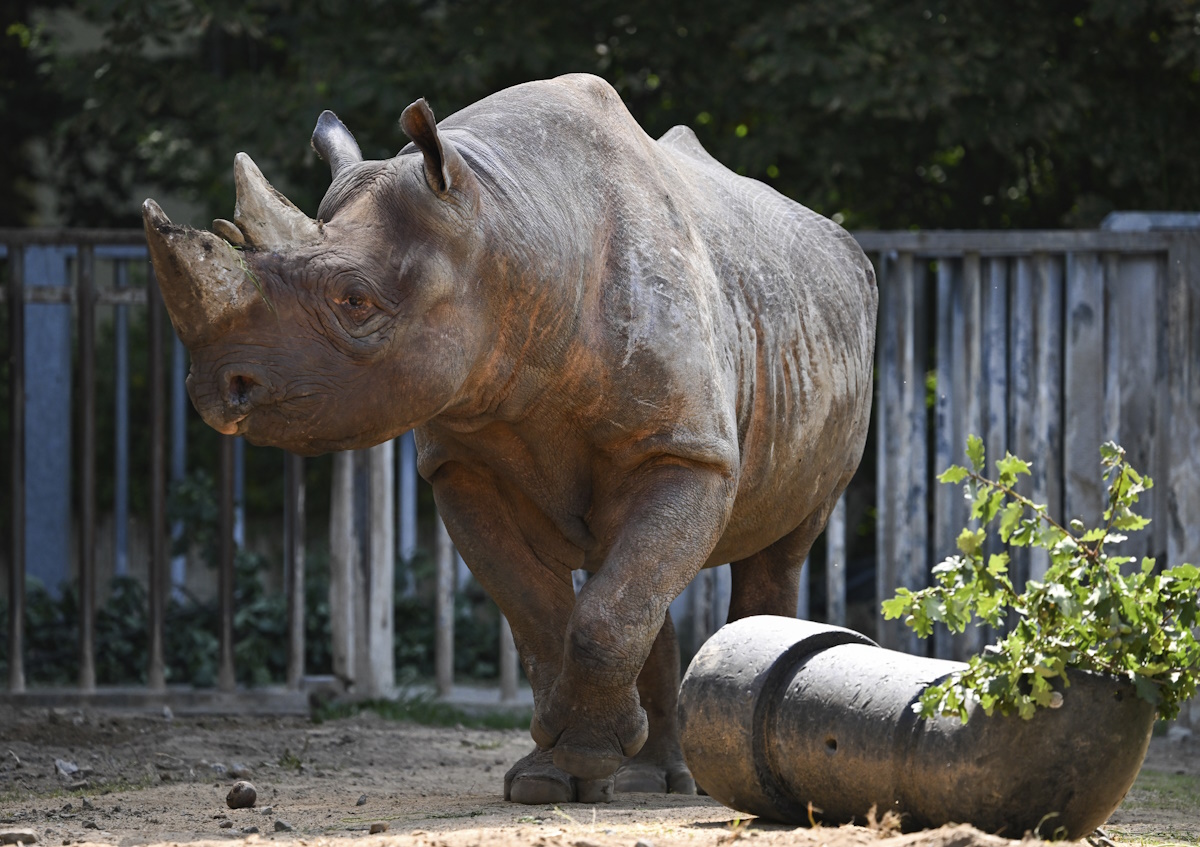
x=1087 y=612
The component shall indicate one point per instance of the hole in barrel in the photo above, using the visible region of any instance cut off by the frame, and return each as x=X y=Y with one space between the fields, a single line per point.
x=831 y=745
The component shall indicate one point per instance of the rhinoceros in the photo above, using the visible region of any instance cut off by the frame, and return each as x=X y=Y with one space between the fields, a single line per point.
x=617 y=356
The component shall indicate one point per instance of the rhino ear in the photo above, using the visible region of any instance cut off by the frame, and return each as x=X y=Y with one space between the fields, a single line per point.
x=444 y=167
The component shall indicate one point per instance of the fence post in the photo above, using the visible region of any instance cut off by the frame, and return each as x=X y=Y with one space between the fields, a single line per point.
x=16 y=423
x=380 y=626
x=86 y=315
x=835 y=565
x=293 y=560
x=156 y=674
x=343 y=567
x=226 y=675
x=444 y=611
x=508 y=662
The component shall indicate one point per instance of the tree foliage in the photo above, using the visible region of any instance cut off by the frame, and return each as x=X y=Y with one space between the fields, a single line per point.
x=1092 y=610
x=891 y=113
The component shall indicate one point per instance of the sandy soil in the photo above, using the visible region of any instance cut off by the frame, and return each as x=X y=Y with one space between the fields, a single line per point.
x=78 y=777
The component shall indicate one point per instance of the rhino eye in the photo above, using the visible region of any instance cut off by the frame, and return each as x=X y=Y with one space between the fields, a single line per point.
x=356 y=304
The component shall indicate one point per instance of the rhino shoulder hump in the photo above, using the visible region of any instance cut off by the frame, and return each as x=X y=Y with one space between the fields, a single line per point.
x=681 y=139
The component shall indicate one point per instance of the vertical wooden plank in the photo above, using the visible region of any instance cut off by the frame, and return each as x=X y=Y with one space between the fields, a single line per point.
x=86 y=339
x=835 y=565
x=1083 y=388
x=226 y=677
x=293 y=558
x=381 y=571
x=121 y=427
x=406 y=507
x=444 y=612
x=907 y=451
x=1047 y=413
x=972 y=640
x=1136 y=320
x=156 y=674
x=949 y=513
x=995 y=359
x=701 y=609
x=16 y=428
x=887 y=415
x=508 y=662
x=802 y=599
x=1183 y=377
x=1022 y=362
x=1113 y=348
x=343 y=568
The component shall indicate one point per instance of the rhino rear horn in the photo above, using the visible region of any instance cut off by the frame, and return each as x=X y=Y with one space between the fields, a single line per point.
x=269 y=220
x=334 y=143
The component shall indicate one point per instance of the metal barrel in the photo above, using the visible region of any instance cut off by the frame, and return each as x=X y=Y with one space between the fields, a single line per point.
x=791 y=720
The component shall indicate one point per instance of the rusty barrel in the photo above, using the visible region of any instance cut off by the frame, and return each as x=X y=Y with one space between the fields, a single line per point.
x=777 y=714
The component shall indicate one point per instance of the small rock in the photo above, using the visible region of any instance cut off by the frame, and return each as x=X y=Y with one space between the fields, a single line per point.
x=218 y=768
x=66 y=769
x=90 y=825
x=642 y=842
x=283 y=826
x=583 y=842
x=87 y=804
x=77 y=786
x=242 y=796
x=67 y=807
x=378 y=827
x=237 y=770
x=268 y=810
x=362 y=800
x=250 y=830
x=226 y=824
x=14 y=836
x=167 y=714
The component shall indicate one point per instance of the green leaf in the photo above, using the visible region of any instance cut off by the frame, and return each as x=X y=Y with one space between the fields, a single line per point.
x=970 y=541
x=1009 y=467
x=975 y=452
x=1009 y=519
x=953 y=474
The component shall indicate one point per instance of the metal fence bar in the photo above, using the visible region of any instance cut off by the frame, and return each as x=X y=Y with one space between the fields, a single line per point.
x=293 y=562
x=86 y=314
x=16 y=381
x=443 y=652
x=835 y=565
x=226 y=675
x=121 y=424
x=156 y=675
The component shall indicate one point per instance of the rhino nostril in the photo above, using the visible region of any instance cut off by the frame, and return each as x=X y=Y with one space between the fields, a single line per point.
x=237 y=391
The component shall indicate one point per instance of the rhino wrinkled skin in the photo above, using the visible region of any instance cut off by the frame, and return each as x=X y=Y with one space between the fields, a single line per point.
x=618 y=356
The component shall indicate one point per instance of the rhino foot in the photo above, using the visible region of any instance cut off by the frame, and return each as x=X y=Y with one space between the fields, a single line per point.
x=648 y=778
x=534 y=780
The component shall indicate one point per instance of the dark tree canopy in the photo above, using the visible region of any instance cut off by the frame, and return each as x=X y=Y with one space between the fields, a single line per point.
x=894 y=114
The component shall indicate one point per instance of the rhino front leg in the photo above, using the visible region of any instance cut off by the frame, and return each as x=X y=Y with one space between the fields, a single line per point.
x=537 y=600
x=659 y=768
x=663 y=522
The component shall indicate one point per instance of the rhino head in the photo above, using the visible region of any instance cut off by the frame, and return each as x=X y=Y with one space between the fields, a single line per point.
x=339 y=332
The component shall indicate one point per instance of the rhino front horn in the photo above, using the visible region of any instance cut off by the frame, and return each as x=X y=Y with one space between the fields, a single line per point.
x=204 y=282
x=267 y=218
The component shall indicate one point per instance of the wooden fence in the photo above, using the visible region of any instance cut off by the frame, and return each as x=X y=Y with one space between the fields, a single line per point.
x=1043 y=343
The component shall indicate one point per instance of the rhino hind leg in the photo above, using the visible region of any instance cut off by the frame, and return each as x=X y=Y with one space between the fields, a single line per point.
x=768 y=583
x=534 y=780
x=658 y=768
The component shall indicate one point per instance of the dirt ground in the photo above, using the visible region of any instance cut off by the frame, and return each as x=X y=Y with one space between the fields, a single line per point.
x=75 y=777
